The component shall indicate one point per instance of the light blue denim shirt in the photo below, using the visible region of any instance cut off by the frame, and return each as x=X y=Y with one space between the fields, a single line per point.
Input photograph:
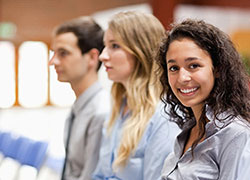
x=147 y=162
x=223 y=155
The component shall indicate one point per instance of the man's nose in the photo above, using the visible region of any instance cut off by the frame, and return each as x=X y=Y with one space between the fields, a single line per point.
x=54 y=60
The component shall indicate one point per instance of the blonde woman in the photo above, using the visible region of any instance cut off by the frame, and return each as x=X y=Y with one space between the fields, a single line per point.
x=137 y=137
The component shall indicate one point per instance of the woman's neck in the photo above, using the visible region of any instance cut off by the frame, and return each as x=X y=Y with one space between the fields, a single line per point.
x=194 y=132
x=197 y=110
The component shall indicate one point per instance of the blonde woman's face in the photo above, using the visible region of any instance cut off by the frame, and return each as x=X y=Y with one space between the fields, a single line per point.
x=119 y=63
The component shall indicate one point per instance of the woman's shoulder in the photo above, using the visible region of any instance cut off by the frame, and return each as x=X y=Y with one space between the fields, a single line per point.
x=160 y=120
x=159 y=117
x=160 y=114
x=235 y=129
x=228 y=122
x=239 y=126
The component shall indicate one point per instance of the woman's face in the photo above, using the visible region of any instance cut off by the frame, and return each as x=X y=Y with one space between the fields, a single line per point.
x=118 y=62
x=190 y=72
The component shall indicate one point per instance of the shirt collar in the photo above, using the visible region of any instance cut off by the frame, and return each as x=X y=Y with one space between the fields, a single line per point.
x=211 y=127
x=214 y=125
x=86 y=96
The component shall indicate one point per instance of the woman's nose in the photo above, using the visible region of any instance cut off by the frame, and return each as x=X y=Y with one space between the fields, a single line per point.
x=184 y=76
x=104 y=55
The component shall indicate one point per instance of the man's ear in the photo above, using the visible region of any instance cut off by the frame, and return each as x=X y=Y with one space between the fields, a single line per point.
x=93 y=57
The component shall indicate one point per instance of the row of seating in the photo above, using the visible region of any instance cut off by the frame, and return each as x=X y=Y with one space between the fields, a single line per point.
x=19 y=151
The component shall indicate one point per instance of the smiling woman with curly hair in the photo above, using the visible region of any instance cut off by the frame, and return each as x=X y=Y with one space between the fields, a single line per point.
x=206 y=86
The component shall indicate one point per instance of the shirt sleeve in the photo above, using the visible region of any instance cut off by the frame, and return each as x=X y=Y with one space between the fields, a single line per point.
x=160 y=144
x=234 y=163
x=244 y=166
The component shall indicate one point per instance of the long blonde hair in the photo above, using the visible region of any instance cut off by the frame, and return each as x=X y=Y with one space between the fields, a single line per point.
x=139 y=34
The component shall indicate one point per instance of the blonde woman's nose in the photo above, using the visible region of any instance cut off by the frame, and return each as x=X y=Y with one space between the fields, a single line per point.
x=104 y=55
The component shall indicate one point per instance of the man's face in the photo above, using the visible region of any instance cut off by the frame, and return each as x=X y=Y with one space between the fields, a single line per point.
x=70 y=64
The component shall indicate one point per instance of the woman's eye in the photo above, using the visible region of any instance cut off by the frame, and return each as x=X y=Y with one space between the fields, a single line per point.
x=173 y=68
x=193 y=66
x=115 y=46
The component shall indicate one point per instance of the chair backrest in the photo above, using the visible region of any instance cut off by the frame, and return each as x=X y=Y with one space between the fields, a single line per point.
x=35 y=154
x=24 y=150
x=5 y=142
x=18 y=148
x=12 y=148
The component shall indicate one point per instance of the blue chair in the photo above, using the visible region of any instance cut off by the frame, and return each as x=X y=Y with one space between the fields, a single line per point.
x=11 y=146
x=5 y=142
x=35 y=154
x=18 y=148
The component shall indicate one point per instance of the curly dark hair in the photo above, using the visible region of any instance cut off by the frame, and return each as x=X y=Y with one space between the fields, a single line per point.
x=230 y=92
